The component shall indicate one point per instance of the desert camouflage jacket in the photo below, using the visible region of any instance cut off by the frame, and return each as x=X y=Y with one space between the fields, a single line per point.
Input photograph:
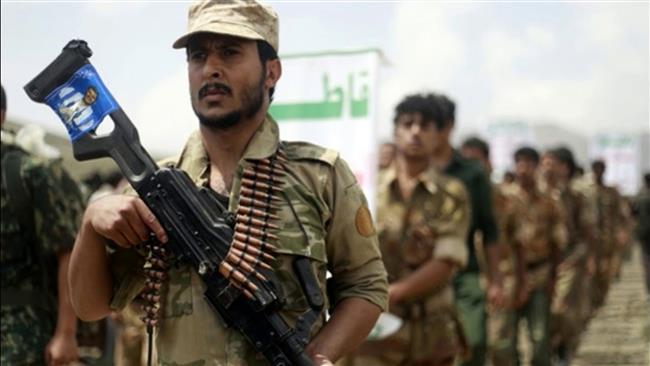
x=323 y=215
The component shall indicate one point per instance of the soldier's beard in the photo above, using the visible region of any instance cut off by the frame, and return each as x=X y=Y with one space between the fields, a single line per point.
x=252 y=99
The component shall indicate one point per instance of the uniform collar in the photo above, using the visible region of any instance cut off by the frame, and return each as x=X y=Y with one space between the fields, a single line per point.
x=265 y=141
x=194 y=158
x=427 y=178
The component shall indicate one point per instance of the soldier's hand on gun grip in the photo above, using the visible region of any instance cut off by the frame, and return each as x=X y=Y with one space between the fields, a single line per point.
x=126 y=220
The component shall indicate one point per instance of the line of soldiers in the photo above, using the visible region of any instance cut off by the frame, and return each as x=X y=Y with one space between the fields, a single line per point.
x=434 y=207
x=468 y=259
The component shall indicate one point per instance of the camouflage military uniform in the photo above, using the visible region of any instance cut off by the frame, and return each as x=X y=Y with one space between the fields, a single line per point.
x=131 y=338
x=534 y=222
x=609 y=219
x=432 y=225
x=570 y=307
x=500 y=329
x=28 y=255
x=338 y=236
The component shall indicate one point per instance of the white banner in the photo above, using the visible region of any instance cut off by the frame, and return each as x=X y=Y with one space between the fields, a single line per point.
x=621 y=154
x=505 y=138
x=330 y=99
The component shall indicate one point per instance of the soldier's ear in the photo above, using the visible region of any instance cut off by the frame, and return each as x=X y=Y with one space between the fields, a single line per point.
x=273 y=73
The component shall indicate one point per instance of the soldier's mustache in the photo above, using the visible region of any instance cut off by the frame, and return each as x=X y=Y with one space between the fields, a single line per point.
x=213 y=87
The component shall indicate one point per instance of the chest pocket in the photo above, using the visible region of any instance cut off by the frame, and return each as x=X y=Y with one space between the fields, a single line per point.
x=301 y=233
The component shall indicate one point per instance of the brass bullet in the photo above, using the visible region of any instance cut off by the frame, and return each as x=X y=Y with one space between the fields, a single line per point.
x=235 y=276
x=258 y=185
x=249 y=211
x=253 y=260
x=253 y=250
x=249 y=230
x=263 y=176
x=263 y=205
x=248 y=220
x=250 y=193
x=237 y=262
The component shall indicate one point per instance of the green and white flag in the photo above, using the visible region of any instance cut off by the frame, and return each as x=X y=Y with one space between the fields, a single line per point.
x=330 y=99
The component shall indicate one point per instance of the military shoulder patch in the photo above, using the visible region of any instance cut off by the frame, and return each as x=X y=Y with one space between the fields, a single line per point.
x=363 y=222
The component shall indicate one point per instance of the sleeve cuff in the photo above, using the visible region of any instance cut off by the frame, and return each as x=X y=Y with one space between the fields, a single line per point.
x=373 y=287
x=452 y=249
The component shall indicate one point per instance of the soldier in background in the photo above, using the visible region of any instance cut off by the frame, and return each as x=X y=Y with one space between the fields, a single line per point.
x=422 y=221
x=641 y=210
x=500 y=330
x=41 y=208
x=623 y=238
x=609 y=220
x=470 y=298
x=570 y=308
x=534 y=227
x=387 y=152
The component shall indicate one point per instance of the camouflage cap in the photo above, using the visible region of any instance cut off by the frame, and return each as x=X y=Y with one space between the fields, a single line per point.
x=241 y=18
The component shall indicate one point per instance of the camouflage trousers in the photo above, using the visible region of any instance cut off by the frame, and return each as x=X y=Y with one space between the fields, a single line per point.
x=470 y=303
x=536 y=311
x=571 y=308
x=501 y=326
x=435 y=340
x=602 y=280
x=505 y=324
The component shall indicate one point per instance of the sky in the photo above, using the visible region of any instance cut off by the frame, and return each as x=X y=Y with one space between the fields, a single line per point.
x=580 y=65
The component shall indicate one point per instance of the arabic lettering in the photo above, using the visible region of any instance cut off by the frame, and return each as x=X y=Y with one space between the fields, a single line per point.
x=332 y=105
x=358 y=107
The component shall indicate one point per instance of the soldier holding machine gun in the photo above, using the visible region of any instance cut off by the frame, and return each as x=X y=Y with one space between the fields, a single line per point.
x=312 y=208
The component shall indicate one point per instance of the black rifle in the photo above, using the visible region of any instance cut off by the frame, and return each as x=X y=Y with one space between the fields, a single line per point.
x=197 y=224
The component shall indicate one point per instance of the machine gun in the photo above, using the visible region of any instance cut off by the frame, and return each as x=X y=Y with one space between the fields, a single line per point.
x=229 y=252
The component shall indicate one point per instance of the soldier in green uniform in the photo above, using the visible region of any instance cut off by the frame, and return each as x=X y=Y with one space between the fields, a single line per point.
x=500 y=331
x=534 y=227
x=609 y=222
x=41 y=208
x=470 y=298
x=422 y=220
x=570 y=308
x=231 y=49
